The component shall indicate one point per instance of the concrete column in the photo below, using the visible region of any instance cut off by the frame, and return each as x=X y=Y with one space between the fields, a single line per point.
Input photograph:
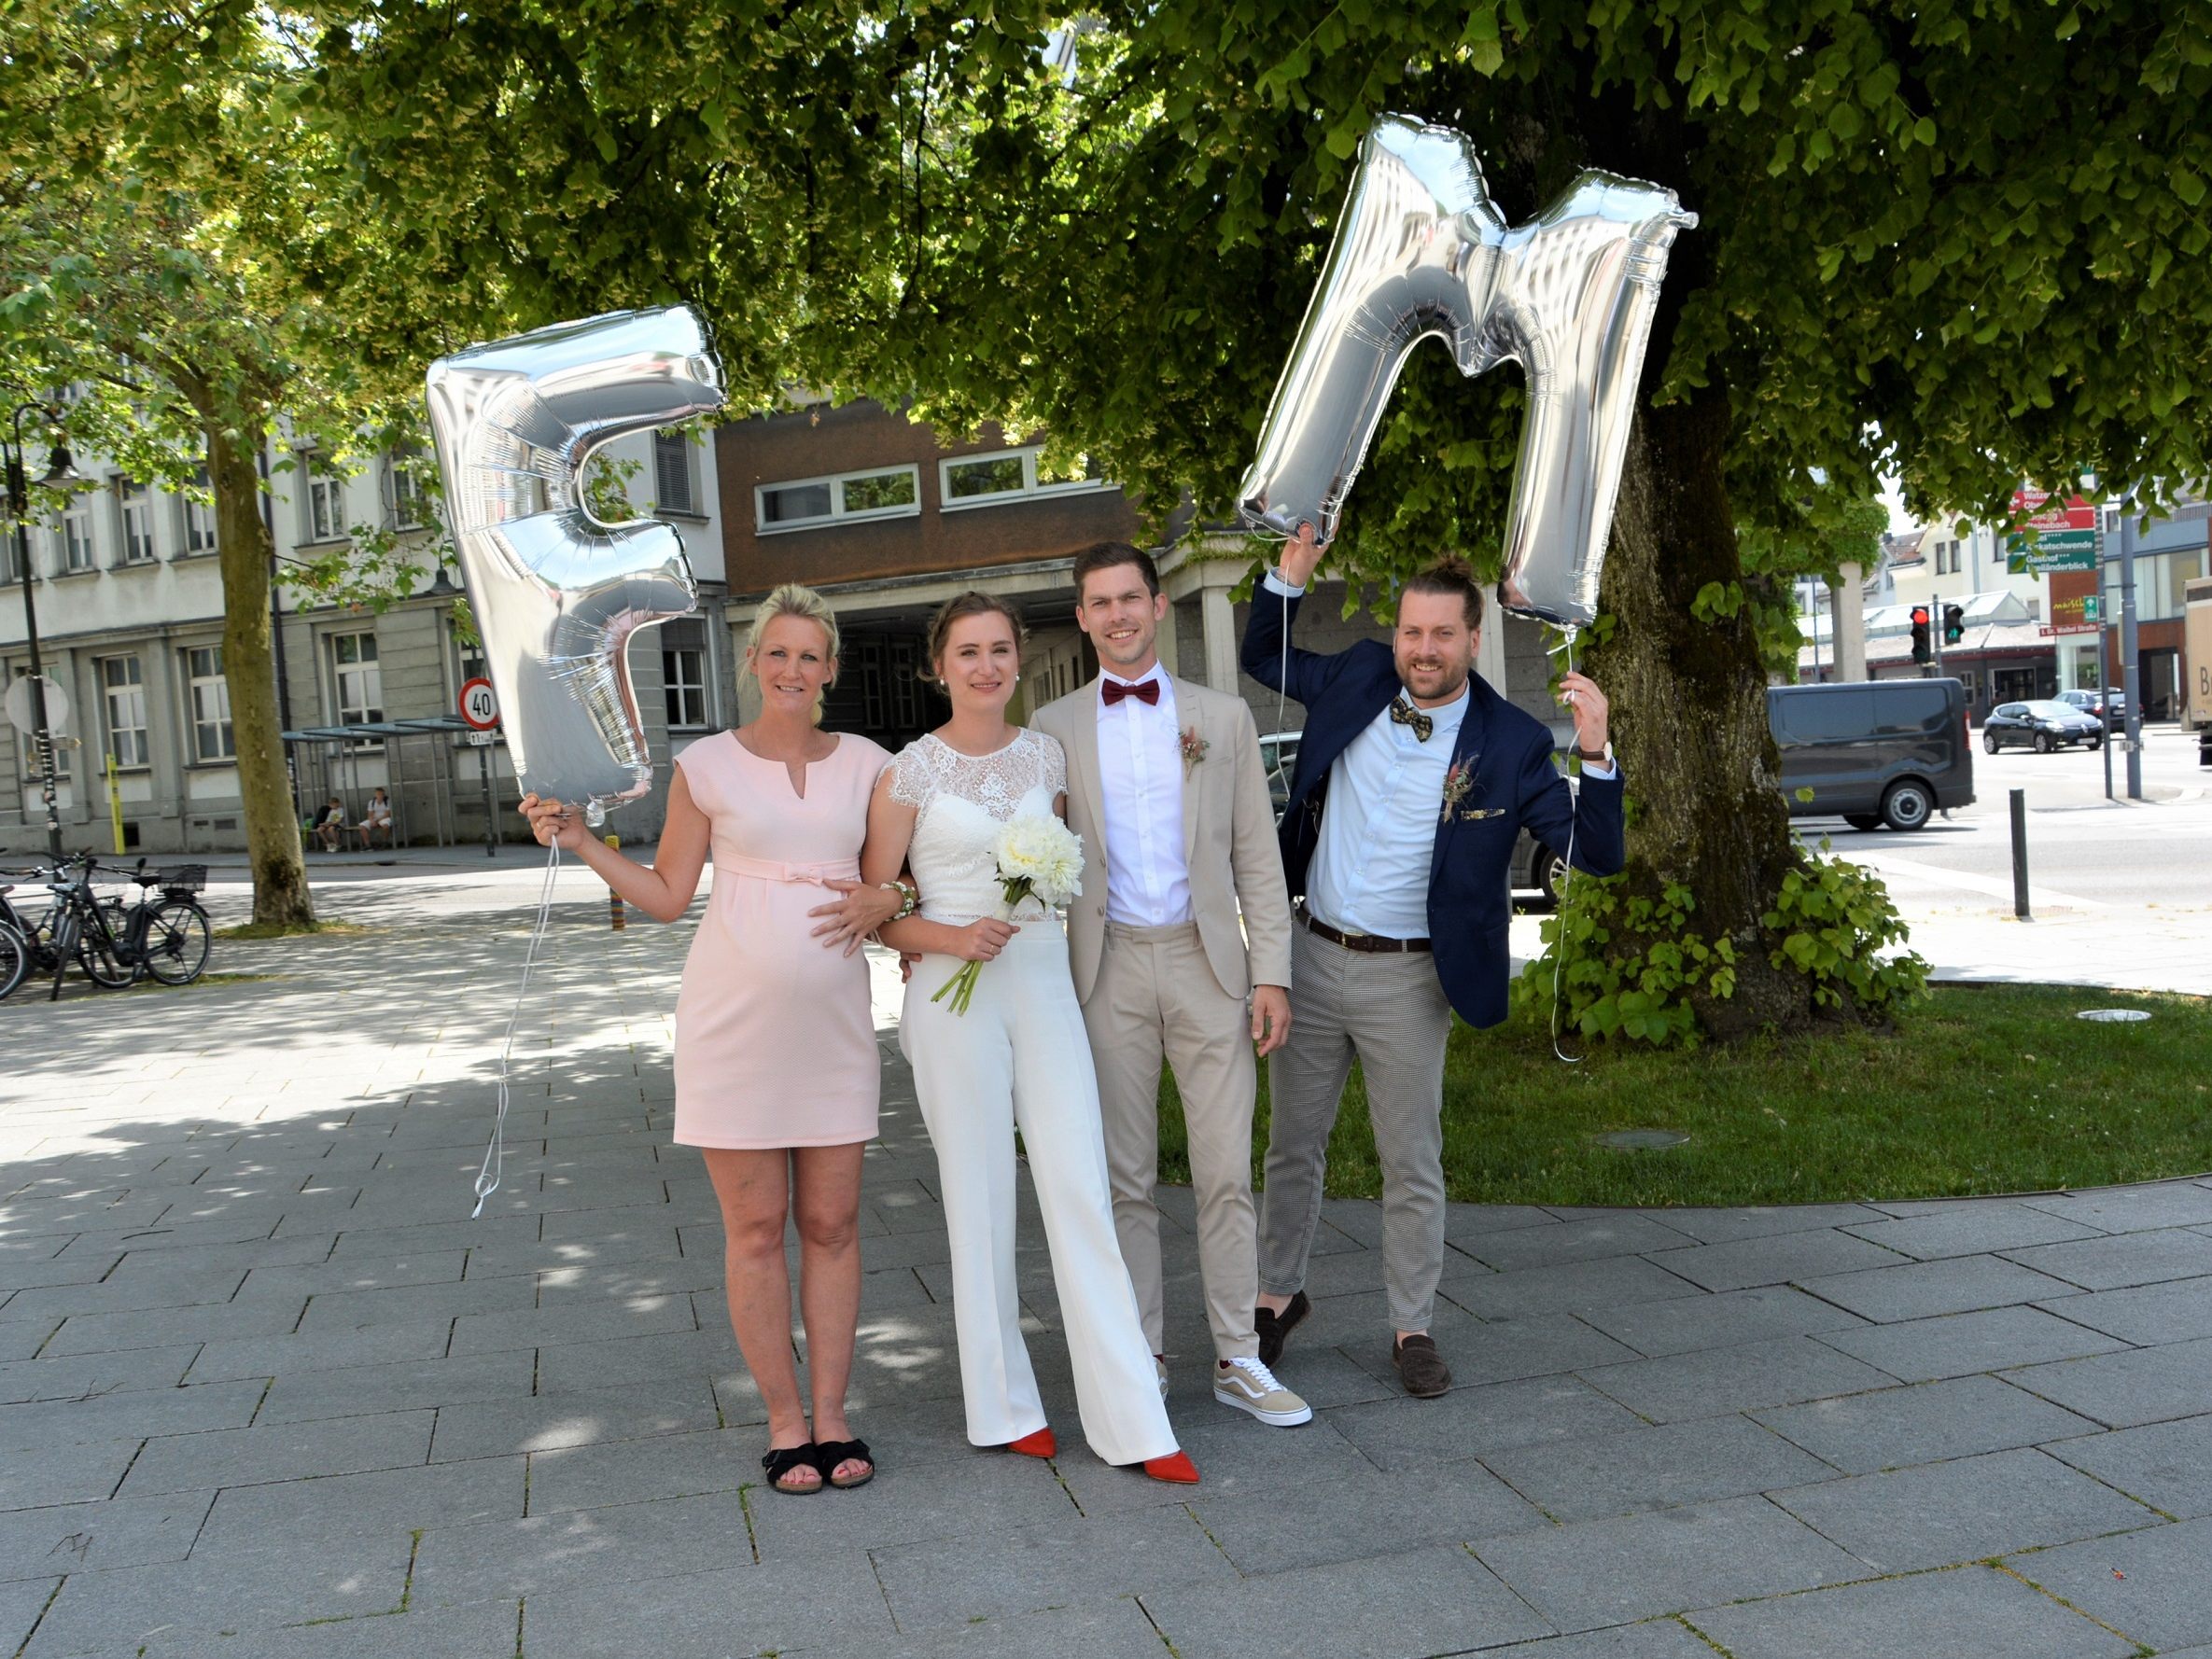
x=1166 y=645
x=1847 y=623
x=1489 y=645
x=1219 y=620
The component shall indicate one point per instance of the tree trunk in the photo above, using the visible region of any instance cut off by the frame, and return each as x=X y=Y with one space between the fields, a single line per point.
x=281 y=898
x=1689 y=709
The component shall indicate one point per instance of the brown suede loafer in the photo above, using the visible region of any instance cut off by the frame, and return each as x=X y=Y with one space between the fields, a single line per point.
x=1420 y=1367
x=1273 y=1326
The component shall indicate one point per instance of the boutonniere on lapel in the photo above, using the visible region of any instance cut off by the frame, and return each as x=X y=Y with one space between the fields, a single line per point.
x=1457 y=783
x=1194 y=748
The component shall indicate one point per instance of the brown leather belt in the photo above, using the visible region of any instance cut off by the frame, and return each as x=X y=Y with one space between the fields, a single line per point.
x=1373 y=943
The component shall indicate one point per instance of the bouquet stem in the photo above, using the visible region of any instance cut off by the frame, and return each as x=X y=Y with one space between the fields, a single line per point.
x=962 y=984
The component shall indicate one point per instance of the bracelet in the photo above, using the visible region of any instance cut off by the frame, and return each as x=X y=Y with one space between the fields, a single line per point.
x=909 y=897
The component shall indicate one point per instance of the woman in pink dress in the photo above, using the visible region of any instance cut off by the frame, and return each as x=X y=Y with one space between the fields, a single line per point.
x=776 y=1075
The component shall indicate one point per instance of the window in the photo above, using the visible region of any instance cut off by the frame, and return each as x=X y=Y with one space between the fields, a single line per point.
x=410 y=507
x=893 y=492
x=135 y=507
x=1008 y=475
x=683 y=672
x=76 y=536
x=976 y=480
x=672 y=473
x=199 y=521
x=1837 y=715
x=359 y=678
x=325 y=502
x=210 y=695
x=10 y=571
x=122 y=687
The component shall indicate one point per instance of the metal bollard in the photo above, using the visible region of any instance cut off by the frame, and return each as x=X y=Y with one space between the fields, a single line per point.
x=617 y=915
x=2020 y=880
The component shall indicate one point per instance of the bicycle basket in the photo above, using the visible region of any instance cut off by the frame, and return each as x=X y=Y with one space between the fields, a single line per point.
x=182 y=878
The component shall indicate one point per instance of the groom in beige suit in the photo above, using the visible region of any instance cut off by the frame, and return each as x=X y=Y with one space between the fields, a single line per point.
x=1166 y=787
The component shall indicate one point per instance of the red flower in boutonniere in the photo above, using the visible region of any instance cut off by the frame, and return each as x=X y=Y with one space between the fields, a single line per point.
x=1194 y=748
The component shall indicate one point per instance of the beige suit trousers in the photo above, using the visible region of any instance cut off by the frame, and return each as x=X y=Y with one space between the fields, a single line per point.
x=1156 y=998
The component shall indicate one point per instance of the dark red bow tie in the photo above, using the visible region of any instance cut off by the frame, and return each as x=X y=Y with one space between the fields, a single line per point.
x=1149 y=691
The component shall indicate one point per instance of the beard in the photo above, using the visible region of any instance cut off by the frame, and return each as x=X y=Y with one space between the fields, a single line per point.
x=1434 y=680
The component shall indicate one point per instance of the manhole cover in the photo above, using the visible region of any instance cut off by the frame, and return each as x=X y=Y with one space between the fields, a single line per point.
x=2116 y=1016
x=1639 y=1140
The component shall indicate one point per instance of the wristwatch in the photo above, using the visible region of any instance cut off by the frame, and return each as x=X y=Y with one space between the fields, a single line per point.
x=1602 y=758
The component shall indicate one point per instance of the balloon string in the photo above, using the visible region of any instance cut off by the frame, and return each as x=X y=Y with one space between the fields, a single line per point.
x=495 y=1155
x=1559 y=944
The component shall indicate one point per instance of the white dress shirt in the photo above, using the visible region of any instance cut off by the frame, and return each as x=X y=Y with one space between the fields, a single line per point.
x=1148 y=881
x=1370 y=869
x=1370 y=872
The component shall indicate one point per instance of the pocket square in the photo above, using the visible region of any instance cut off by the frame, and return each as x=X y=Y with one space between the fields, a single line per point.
x=1481 y=812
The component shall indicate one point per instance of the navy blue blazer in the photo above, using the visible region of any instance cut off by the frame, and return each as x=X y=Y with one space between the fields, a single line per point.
x=1509 y=753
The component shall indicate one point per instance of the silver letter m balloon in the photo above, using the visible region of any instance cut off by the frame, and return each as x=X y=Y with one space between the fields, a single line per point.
x=557 y=594
x=1422 y=251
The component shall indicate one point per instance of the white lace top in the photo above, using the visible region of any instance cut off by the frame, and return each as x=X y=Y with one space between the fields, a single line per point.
x=960 y=800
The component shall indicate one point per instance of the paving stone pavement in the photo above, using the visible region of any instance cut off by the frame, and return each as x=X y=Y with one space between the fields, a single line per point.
x=267 y=1390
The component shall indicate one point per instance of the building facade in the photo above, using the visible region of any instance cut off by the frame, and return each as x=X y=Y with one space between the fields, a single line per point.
x=889 y=523
x=857 y=501
x=129 y=611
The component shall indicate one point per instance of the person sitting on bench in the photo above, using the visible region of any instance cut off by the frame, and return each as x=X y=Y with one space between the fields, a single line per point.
x=377 y=819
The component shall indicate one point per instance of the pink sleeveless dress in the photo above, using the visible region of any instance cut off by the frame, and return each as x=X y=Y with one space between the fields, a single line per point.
x=775 y=1045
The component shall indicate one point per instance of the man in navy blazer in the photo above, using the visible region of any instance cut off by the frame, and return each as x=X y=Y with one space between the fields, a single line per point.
x=1414 y=778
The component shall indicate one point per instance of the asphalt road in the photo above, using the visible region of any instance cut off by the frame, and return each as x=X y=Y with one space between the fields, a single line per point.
x=2156 y=852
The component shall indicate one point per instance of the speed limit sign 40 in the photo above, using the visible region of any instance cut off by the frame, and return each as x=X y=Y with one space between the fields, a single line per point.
x=479 y=705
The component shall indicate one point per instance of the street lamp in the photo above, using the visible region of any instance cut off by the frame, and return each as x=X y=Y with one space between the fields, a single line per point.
x=60 y=470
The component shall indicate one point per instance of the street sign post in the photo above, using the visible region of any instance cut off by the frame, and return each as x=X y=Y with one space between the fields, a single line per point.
x=479 y=708
x=479 y=705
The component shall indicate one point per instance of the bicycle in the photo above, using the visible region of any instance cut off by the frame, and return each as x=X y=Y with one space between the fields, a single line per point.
x=15 y=954
x=167 y=939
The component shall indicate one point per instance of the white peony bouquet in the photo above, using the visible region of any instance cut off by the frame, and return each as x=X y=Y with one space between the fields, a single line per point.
x=1038 y=857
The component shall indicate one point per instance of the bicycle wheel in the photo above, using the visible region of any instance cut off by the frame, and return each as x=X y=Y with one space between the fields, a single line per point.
x=100 y=954
x=15 y=959
x=177 y=942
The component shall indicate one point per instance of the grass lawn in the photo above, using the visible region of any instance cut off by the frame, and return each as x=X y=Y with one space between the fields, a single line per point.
x=1979 y=1090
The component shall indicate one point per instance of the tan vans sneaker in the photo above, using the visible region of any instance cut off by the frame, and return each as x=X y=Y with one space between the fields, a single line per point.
x=1250 y=1387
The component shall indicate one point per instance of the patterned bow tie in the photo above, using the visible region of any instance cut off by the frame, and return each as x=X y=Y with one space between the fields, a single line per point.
x=1405 y=714
x=1149 y=691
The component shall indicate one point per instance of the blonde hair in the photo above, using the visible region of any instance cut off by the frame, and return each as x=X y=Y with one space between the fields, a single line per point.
x=795 y=599
x=792 y=600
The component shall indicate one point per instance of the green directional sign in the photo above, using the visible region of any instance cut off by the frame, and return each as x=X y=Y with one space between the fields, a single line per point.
x=2054 y=550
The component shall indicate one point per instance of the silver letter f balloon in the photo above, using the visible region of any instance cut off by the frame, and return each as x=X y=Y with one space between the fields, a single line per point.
x=1422 y=251
x=557 y=594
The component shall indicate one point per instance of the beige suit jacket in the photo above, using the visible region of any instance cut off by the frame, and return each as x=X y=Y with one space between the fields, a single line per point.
x=1228 y=838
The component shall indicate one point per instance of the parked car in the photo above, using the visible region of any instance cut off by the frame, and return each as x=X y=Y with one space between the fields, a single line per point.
x=1876 y=752
x=2092 y=701
x=1535 y=867
x=2043 y=725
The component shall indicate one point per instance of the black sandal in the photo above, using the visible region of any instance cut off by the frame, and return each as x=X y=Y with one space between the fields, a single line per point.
x=828 y=1454
x=781 y=1462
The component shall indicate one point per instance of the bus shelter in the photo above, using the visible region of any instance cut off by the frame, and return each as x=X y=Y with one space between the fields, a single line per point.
x=326 y=760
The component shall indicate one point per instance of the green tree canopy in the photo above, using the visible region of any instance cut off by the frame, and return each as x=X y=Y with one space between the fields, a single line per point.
x=180 y=245
x=1950 y=240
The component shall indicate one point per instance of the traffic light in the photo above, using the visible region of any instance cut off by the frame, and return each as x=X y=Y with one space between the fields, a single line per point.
x=1921 y=652
x=1954 y=623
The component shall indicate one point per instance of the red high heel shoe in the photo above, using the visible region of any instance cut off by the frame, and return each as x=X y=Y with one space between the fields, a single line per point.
x=1176 y=1467
x=1039 y=1445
